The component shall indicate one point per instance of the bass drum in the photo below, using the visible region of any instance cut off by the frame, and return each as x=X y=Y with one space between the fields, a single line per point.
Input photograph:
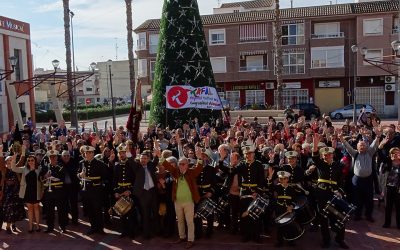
x=304 y=213
x=291 y=230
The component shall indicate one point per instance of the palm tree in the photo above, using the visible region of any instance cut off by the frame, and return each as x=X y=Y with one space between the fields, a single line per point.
x=278 y=56
x=130 y=47
x=67 y=37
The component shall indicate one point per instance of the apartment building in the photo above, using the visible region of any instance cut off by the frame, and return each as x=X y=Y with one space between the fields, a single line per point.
x=319 y=65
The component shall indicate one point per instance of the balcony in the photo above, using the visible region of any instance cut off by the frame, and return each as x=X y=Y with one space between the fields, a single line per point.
x=253 y=68
x=327 y=36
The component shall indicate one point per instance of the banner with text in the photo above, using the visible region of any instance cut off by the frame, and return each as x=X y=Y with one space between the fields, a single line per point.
x=183 y=96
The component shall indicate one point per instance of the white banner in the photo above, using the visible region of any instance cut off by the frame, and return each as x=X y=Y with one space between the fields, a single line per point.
x=183 y=96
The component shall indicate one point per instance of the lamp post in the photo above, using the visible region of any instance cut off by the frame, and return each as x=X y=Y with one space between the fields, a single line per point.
x=354 y=49
x=13 y=61
x=109 y=62
x=71 y=14
x=396 y=47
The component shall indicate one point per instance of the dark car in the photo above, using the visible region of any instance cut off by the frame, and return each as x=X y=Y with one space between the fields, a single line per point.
x=309 y=110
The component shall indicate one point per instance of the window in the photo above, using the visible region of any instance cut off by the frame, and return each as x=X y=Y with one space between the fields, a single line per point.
x=153 y=43
x=293 y=63
x=327 y=30
x=217 y=37
x=141 y=42
x=253 y=63
x=373 y=27
x=142 y=67
x=293 y=34
x=374 y=55
x=253 y=32
x=152 y=69
x=233 y=98
x=327 y=57
x=255 y=97
x=218 y=64
x=89 y=89
x=396 y=26
x=18 y=67
x=293 y=96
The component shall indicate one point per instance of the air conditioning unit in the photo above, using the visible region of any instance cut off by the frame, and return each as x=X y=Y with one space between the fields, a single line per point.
x=269 y=85
x=390 y=87
x=390 y=79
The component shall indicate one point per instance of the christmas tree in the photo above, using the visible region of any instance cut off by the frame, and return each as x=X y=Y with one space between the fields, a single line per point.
x=182 y=59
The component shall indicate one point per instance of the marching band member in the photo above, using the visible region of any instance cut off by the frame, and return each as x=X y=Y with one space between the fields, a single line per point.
x=54 y=175
x=251 y=183
x=329 y=184
x=206 y=183
x=123 y=187
x=92 y=172
x=293 y=168
x=284 y=195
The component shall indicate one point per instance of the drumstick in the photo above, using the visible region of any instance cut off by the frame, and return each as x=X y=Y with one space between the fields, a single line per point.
x=244 y=214
x=283 y=215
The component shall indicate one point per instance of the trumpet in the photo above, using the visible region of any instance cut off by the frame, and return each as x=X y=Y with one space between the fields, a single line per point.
x=49 y=181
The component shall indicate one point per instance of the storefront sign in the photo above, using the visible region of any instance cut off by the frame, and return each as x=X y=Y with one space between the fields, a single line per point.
x=13 y=25
x=183 y=96
x=329 y=84
x=292 y=85
x=245 y=87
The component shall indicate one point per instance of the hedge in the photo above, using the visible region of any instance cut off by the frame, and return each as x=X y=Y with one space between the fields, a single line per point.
x=88 y=114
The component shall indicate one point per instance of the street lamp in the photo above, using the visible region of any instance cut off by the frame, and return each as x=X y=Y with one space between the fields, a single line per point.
x=354 y=49
x=109 y=62
x=55 y=64
x=13 y=61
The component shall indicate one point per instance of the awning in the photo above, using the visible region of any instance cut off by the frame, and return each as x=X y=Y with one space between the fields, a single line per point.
x=253 y=53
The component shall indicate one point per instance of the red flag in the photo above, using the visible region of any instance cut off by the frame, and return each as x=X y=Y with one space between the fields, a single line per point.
x=135 y=114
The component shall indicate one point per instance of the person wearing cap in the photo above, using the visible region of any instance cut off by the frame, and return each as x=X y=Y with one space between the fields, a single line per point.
x=364 y=171
x=53 y=176
x=71 y=184
x=292 y=167
x=251 y=182
x=285 y=196
x=92 y=173
x=39 y=154
x=329 y=183
x=206 y=183
x=391 y=173
x=123 y=179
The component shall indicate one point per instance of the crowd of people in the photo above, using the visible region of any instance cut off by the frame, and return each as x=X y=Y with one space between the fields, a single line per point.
x=202 y=173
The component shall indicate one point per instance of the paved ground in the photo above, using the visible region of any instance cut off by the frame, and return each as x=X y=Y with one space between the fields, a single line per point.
x=359 y=235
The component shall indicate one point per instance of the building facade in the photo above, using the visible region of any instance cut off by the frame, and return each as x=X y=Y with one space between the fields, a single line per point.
x=15 y=41
x=319 y=65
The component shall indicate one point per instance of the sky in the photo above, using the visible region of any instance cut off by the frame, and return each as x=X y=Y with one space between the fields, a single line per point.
x=99 y=26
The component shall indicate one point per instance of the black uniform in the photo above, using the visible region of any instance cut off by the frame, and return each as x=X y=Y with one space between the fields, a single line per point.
x=329 y=180
x=251 y=180
x=284 y=197
x=71 y=186
x=93 y=195
x=206 y=182
x=123 y=181
x=55 y=196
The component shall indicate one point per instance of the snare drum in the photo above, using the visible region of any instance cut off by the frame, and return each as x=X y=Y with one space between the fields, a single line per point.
x=222 y=204
x=291 y=230
x=123 y=206
x=206 y=209
x=257 y=207
x=338 y=210
x=304 y=213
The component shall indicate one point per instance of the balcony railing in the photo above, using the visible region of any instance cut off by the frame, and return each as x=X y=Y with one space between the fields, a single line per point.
x=253 y=68
x=326 y=36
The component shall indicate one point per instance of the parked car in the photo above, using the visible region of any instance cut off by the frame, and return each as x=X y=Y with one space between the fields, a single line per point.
x=254 y=107
x=309 y=110
x=347 y=111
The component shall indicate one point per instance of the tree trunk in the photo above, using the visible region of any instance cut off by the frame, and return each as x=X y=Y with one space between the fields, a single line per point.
x=278 y=56
x=130 y=47
x=67 y=37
